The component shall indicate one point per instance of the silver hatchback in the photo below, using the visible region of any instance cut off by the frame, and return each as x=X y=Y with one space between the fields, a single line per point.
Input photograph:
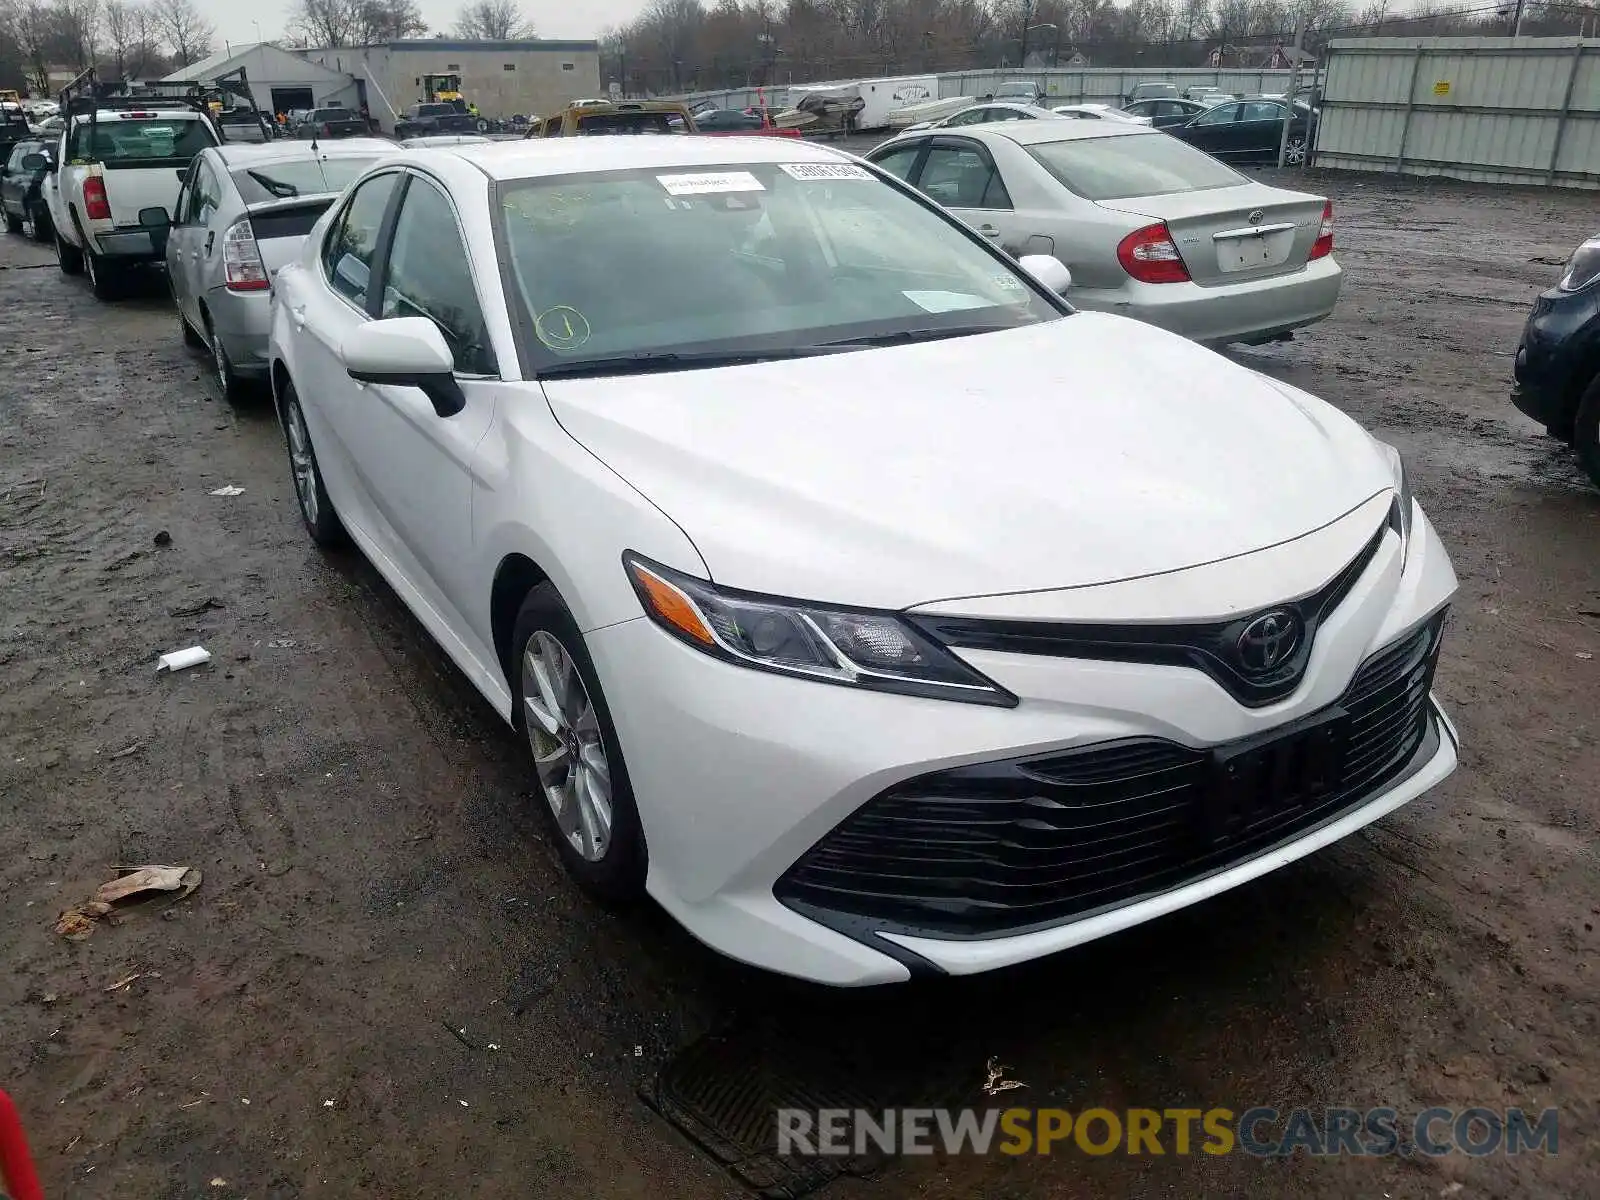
x=242 y=214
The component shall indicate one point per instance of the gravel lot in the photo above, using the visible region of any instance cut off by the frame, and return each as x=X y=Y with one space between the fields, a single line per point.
x=376 y=881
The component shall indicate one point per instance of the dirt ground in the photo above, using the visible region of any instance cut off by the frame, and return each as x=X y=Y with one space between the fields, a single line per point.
x=376 y=880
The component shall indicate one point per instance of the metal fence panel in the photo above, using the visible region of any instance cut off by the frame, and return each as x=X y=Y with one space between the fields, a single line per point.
x=1497 y=110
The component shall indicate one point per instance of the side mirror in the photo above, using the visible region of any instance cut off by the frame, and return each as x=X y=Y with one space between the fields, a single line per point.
x=1048 y=270
x=405 y=352
x=34 y=162
x=158 y=224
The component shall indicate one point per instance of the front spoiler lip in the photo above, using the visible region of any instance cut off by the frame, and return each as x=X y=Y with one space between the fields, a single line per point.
x=1434 y=761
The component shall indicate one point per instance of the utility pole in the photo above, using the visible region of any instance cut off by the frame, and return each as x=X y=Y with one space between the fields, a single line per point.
x=1288 y=96
x=1027 y=19
x=1516 y=21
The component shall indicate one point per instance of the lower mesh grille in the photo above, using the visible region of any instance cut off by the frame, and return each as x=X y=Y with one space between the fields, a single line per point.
x=1000 y=847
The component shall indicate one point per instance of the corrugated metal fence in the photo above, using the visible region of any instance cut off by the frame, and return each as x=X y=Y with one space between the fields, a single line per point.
x=1498 y=110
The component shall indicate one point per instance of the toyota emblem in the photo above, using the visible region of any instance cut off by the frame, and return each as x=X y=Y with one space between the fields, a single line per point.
x=1257 y=217
x=1269 y=641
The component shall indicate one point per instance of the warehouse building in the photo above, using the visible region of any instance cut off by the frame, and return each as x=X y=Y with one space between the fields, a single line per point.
x=501 y=78
x=279 y=80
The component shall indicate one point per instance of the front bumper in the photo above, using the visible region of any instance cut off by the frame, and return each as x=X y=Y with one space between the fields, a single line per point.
x=1255 y=310
x=738 y=774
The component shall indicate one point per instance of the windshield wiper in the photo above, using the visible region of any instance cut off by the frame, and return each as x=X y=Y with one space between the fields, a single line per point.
x=902 y=336
x=657 y=361
x=277 y=187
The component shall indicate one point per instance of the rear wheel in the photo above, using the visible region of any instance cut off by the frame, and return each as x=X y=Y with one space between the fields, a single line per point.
x=43 y=230
x=69 y=258
x=1294 y=154
x=105 y=277
x=1586 y=431
x=232 y=387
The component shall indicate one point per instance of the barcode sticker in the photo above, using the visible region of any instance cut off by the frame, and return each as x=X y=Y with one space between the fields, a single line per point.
x=825 y=171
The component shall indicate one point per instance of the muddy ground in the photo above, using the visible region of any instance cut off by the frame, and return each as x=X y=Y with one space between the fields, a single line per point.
x=376 y=880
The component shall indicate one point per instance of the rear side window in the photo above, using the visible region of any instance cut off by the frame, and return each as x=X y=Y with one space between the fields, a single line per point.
x=353 y=241
x=1114 y=168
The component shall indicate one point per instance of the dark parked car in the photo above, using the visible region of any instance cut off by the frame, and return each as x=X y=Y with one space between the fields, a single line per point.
x=21 y=173
x=1165 y=114
x=1150 y=91
x=245 y=125
x=727 y=120
x=331 y=123
x=1248 y=131
x=428 y=120
x=1556 y=371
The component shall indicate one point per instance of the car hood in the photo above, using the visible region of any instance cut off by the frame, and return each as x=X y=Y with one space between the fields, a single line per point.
x=1081 y=451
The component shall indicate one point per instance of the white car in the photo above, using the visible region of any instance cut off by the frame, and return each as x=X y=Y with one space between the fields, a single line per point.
x=864 y=604
x=1098 y=112
x=1149 y=226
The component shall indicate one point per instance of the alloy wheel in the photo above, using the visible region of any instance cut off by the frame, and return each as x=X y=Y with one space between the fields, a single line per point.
x=302 y=462
x=1295 y=154
x=568 y=751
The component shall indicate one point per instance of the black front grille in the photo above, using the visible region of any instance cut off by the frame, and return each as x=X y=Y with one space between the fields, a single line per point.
x=1002 y=847
x=1212 y=647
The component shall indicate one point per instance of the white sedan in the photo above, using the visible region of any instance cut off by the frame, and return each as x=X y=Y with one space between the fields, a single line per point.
x=857 y=599
x=1098 y=112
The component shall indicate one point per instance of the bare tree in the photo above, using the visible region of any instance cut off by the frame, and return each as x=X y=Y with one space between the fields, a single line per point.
x=121 y=31
x=186 y=33
x=329 y=23
x=387 y=21
x=77 y=30
x=493 y=21
x=33 y=31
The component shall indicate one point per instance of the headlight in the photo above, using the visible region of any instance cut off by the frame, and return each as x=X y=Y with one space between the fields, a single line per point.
x=1583 y=268
x=1400 y=513
x=849 y=647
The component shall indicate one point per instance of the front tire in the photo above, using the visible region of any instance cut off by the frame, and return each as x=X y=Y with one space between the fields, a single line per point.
x=43 y=230
x=1586 y=431
x=316 y=510
x=1294 y=154
x=581 y=778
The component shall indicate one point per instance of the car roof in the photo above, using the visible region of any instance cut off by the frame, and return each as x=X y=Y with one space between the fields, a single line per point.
x=1033 y=133
x=544 y=157
x=249 y=154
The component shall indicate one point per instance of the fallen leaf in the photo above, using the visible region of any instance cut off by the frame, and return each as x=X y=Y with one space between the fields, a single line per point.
x=149 y=879
x=122 y=983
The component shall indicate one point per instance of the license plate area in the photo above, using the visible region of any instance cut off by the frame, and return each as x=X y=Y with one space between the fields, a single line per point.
x=1254 y=785
x=1254 y=251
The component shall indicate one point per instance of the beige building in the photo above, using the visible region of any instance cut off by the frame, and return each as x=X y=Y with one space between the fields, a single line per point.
x=501 y=78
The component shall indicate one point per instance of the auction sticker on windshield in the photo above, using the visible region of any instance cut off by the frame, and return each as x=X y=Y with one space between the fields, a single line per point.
x=824 y=171
x=710 y=183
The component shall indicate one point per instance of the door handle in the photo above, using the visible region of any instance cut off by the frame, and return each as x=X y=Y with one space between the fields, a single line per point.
x=988 y=231
x=297 y=314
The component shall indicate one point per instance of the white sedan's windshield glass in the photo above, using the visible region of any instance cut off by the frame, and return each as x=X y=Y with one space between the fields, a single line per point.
x=298 y=177
x=742 y=258
x=1115 y=168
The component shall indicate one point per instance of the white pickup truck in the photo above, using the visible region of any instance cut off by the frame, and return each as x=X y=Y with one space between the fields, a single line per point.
x=116 y=163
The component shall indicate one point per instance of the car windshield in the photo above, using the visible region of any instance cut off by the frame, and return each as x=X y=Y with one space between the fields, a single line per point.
x=1114 y=168
x=300 y=177
x=435 y=110
x=746 y=261
x=129 y=142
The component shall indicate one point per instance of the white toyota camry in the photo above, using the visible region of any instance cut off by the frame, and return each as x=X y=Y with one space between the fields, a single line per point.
x=864 y=604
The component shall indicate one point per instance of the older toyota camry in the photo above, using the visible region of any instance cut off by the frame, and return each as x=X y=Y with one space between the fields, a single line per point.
x=857 y=599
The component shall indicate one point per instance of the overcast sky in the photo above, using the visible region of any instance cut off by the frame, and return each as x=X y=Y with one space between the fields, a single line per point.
x=236 y=20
